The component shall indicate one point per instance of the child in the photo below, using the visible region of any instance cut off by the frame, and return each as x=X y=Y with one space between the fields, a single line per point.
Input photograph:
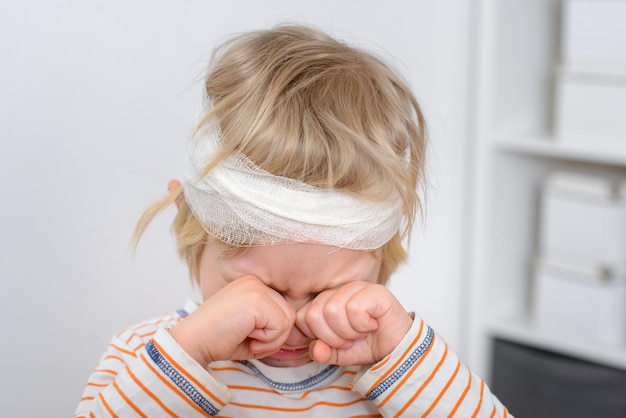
x=302 y=184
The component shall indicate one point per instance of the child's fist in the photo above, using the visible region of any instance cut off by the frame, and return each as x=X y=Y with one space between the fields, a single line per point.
x=357 y=323
x=244 y=320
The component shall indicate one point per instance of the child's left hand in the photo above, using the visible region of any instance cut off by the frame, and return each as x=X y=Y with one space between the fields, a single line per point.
x=356 y=324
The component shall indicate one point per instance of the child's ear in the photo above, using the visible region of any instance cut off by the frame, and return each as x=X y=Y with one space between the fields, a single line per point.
x=172 y=186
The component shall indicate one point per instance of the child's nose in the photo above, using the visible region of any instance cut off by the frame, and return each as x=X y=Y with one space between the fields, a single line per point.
x=298 y=302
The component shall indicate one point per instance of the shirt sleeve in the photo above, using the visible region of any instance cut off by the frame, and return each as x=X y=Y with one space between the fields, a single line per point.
x=423 y=377
x=157 y=378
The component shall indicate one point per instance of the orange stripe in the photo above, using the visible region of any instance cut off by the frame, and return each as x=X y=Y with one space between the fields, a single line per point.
x=242 y=369
x=506 y=413
x=113 y=356
x=480 y=401
x=91 y=415
x=408 y=374
x=87 y=398
x=183 y=371
x=227 y=369
x=463 y=395
x=425 y=384
x=106 y=405
x=169 y=384
x=123 y=350
x=140 y=346
x=150 y=394
x=98 y=385
x=128 y=401
x=250 y=388
x=107 y=371
x=276 y=408
x=148 y=334
x=380 y=364
x=232 y=369
x=366 y=416
x=444 y=390
x=400 y=359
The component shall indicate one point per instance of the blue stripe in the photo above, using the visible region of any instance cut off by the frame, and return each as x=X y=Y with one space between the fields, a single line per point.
x=404 y=367
x=182 y=313
x=179 y=380
x=292 y=387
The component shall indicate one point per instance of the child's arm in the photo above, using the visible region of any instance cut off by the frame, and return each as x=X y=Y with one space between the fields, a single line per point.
x=416 y=374
x=165 y=374
x=153 y=376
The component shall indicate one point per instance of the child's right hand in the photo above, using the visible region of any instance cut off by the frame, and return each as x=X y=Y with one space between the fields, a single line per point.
x=245 y=319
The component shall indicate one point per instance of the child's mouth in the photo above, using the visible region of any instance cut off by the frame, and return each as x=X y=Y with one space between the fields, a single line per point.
x=290 y=354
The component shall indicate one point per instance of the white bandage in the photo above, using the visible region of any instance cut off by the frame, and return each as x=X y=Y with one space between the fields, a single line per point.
x=241 y=204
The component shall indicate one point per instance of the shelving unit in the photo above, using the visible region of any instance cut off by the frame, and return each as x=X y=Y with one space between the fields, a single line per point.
x=549 y=147
x=515 y=151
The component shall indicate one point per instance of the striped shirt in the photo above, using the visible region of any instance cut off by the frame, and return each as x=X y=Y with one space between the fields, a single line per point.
x=145 y=373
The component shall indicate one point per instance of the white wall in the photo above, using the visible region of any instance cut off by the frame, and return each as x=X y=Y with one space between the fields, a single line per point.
x=96 y=104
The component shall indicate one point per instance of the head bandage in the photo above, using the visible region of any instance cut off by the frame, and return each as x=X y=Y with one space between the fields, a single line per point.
x=241 y=204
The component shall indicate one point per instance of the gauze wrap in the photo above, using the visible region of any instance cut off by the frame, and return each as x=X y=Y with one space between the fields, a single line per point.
x=241 y=204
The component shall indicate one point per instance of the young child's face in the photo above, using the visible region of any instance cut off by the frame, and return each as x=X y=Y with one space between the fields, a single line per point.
x=296 y=271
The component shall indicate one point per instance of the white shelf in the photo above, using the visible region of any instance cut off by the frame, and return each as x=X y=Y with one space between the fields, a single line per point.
x=518 y=53
x=521 y=331
x=605 y=152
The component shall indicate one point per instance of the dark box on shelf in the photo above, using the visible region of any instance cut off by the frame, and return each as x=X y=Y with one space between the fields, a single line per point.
x=534 y=383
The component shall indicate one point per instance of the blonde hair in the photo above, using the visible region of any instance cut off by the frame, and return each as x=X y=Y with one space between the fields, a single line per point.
x=303 y=105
